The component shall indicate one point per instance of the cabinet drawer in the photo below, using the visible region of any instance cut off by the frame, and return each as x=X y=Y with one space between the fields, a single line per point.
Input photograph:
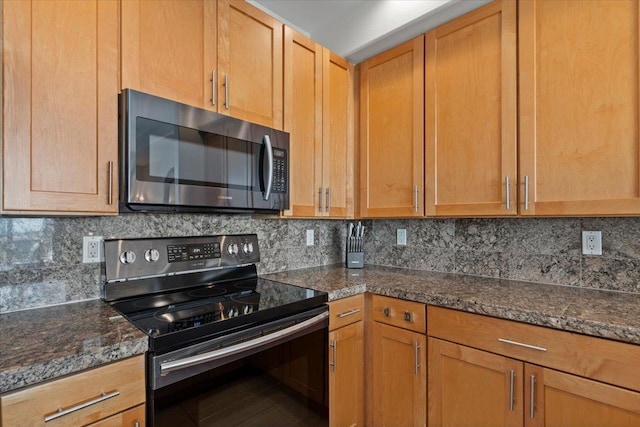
x=124 y=380
x=346 y=311
x=595 y=358
x=397 y=312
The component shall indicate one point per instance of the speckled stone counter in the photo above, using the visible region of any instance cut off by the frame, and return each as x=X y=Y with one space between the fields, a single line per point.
x=45 y=343
x=606 y=314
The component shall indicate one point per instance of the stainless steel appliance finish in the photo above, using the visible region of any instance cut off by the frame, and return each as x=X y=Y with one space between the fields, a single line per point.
x=206 y=311
x=175 y=157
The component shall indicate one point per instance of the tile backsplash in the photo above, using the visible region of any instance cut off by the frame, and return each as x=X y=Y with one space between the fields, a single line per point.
x=41 y=258
x=544 y=250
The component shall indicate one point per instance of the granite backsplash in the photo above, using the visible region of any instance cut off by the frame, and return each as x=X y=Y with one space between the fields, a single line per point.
x=41 y=258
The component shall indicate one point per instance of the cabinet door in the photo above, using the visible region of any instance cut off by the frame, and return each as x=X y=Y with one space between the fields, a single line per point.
x=303 y=121
x=169 y=49
x=60 y=111
x=472 y=387
x=558 y=399
x=346 y=376
x=398 y=377
x=392 y=132
x=337 y=148
x=470 y=97
x=249 y=64
x=579 y=107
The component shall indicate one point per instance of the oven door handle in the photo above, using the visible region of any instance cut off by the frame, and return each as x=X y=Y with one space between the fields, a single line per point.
x=175 y=365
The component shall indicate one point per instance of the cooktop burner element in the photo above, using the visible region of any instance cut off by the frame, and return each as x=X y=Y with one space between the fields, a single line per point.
x=179 y=302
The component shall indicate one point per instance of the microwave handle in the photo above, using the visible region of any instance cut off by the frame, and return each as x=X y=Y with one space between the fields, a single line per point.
x=267 y=143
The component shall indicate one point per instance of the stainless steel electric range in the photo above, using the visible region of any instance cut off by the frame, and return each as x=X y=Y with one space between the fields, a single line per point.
x=213 y=323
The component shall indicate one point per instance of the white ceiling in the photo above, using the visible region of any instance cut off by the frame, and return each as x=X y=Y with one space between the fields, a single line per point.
x=359 y=29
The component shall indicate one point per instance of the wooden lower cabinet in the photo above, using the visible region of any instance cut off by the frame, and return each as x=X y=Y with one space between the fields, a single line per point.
x=346 y=362
x=472 y=387
x=398 y=376
x=565 y=400
x=110 y=395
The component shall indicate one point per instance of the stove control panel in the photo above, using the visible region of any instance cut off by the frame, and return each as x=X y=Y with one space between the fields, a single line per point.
x=127 y=259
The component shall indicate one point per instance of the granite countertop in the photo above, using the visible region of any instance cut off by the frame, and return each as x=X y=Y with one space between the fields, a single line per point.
x=45 y=343
x=606 y=314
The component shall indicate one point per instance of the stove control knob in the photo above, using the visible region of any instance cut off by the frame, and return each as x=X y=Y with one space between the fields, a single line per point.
x=128 y=257
x=247 y=248
x=232 y=249
x=247 y=309
x=151 y=255
x=233 y=312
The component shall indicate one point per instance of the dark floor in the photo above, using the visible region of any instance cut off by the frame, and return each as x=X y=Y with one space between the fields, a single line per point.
x=257 y=400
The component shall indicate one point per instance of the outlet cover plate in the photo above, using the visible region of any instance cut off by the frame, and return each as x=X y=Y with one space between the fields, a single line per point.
x=92 y=249
x=592 y=242
x=310 y=237
x=401 y=237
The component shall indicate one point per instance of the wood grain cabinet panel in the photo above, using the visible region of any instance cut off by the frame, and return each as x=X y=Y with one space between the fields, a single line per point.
x=224 y=55
x=346 y=367
x=318 y=116
x=471 y=117
x=60 y=108
x=111 y=389
x=579 y=113
x=392 y=132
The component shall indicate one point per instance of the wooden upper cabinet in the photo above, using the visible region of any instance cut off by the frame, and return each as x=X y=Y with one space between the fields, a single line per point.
x=303 y=121
x=249 y=63
x=169 y=49
x=60 y=107
x=224 y=56
x=471 y=117
x=318 y=114
x=392 y=132
x=337 y=135
x=579 y=107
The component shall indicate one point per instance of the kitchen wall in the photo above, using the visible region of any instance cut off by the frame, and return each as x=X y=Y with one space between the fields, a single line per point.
x=41 y=258
x=546 y=250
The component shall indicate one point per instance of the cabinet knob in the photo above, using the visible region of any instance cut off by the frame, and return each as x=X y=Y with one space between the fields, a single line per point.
x=387 y=312
x=408 y=316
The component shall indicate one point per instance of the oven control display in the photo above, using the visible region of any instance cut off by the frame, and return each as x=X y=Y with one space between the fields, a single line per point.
x=193 y=252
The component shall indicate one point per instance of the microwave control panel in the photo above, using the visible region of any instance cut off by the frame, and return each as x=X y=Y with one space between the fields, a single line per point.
x=280 y=172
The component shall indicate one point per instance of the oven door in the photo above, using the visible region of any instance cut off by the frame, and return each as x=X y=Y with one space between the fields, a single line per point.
x=272 y=374
x=184 y=158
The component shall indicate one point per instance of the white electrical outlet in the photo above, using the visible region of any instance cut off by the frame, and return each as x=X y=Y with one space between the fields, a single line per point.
x=92 y=249
x=592 y=242
x=310 y=238
x=401 y=237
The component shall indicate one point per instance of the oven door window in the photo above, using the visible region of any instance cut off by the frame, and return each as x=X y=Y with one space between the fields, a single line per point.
x=171 y=154
x=280 y=386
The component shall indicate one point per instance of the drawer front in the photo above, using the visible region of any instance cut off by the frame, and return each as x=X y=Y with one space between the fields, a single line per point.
x=122 y=384
x=397 y=312
x=346 y=311
x=595 y=358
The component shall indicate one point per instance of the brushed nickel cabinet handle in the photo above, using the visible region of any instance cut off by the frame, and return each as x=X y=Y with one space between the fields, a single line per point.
x=512 y=383
x=62 y=412
x=214 y=84
x=136 y=424
x=320 y=199
x=507 y=184
x=387 y=312
x=519 y=344
x=415 y=198
x=110 y=189
x=416 y=351
x=408 y=316
x=532 y=401
x=526 y=193
x=327 y=207
x=226 y=91
x=349 y=313
x=334 y=350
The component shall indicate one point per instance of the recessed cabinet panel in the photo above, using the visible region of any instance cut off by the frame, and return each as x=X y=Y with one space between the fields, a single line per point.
x=470 y=96
x=60 y=111
x=391 y=132
x=579 y=111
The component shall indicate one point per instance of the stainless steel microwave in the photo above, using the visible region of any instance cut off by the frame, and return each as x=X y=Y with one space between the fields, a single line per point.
x=174 y=157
